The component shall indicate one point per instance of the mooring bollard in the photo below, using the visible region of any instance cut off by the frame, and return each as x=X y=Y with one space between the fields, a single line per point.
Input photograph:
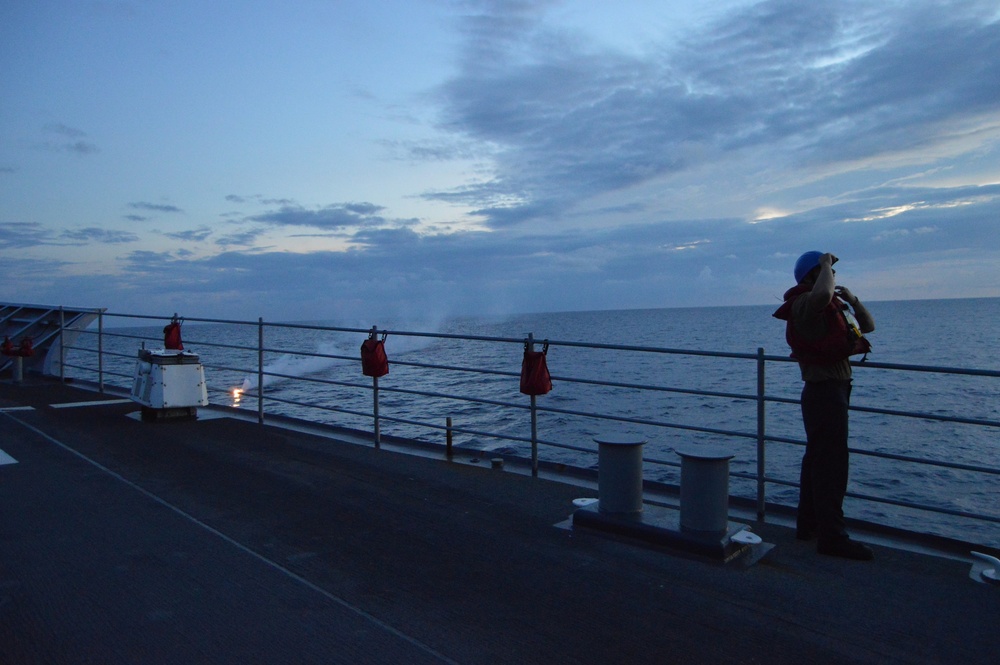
x=704 y=489
x=619 y=474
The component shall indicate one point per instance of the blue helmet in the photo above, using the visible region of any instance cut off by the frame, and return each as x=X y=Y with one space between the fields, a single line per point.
x=805 y=264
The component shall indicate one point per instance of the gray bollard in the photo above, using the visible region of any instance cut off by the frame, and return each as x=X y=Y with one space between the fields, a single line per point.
x=704 y=489
x=18 y=369
x=619 y=474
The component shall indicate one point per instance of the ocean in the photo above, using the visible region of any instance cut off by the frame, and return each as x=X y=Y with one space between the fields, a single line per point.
x=940 y=333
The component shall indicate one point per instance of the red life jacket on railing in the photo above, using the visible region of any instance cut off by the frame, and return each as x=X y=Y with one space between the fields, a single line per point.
x=172 y=336
x=374 y=362
x=842 y=339
x=25 y=349
x=535 y=378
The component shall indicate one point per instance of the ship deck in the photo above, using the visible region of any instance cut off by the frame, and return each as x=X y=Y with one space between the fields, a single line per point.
x=224 y=541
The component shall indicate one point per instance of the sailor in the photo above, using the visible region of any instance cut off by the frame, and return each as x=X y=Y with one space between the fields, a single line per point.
x=823 y=333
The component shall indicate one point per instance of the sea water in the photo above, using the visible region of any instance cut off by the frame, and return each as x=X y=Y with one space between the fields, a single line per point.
x=940 y=333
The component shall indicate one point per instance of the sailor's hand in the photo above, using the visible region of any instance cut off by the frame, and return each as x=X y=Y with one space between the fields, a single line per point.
x=827 y=259
x=845 y=294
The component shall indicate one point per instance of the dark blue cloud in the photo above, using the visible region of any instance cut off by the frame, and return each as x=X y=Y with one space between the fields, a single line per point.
x=660 y=261
x=20 y=235
x=145 y=260
x=94 y=234
x=191 y=235
x=331 y=218
x=244 y=238
x=155 y=207
x=812 y=83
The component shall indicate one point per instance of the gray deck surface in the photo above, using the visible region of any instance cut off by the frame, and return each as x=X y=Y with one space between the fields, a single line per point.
x=222 y=541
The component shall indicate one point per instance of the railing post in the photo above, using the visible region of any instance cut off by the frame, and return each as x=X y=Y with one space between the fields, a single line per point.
x=761 y=466
x=377 y=424
x=260 y=370
x=100 y=352
x=534 y=419
x=62 y=346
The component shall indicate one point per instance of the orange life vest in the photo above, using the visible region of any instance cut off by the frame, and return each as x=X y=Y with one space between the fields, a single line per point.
x=842 y=340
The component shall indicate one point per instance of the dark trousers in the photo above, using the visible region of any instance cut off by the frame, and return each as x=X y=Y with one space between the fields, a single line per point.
x=825 y=463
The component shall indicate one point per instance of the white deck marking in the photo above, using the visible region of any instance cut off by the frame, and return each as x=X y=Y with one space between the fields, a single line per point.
x=6 y=459
x=243 y=548
x=7 y=409
x=102 y=402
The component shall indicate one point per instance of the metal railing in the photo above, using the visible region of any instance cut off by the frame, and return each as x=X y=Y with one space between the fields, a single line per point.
x=502 y=403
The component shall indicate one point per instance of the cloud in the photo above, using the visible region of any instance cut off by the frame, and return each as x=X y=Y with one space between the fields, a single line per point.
x=191 y=235
x=802 y=84
x=392 y=270
x=154 y=207
x=333 y=217
x=258 y=199
x=892 y=234
x=94 y=234
x=690 y=169
x=382 y=240
x=36 y=280
x=357 y=222
x=239 y=239
x=68 y=139
x=63 y=130
x=146 y=262
x=78 y=147
x=20 y=235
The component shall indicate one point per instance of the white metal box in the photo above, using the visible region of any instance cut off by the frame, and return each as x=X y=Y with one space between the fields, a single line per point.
x=168 y=379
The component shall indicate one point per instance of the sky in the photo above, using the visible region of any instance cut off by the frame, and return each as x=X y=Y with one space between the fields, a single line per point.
x=358 y=161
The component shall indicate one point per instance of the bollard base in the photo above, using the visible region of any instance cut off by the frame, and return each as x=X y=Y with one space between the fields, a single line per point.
x=660 y=527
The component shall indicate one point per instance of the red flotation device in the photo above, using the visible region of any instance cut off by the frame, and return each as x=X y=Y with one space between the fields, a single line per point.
x=172 y=335
x=535 y=378
x=25 y=349
x=374 y=362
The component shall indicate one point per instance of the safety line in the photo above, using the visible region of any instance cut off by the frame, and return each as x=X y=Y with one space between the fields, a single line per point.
x=276 y=566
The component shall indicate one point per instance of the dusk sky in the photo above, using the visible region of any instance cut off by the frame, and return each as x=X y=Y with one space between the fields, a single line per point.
x=355 y=161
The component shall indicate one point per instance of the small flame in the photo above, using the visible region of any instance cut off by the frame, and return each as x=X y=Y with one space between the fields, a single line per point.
x=237 y=395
